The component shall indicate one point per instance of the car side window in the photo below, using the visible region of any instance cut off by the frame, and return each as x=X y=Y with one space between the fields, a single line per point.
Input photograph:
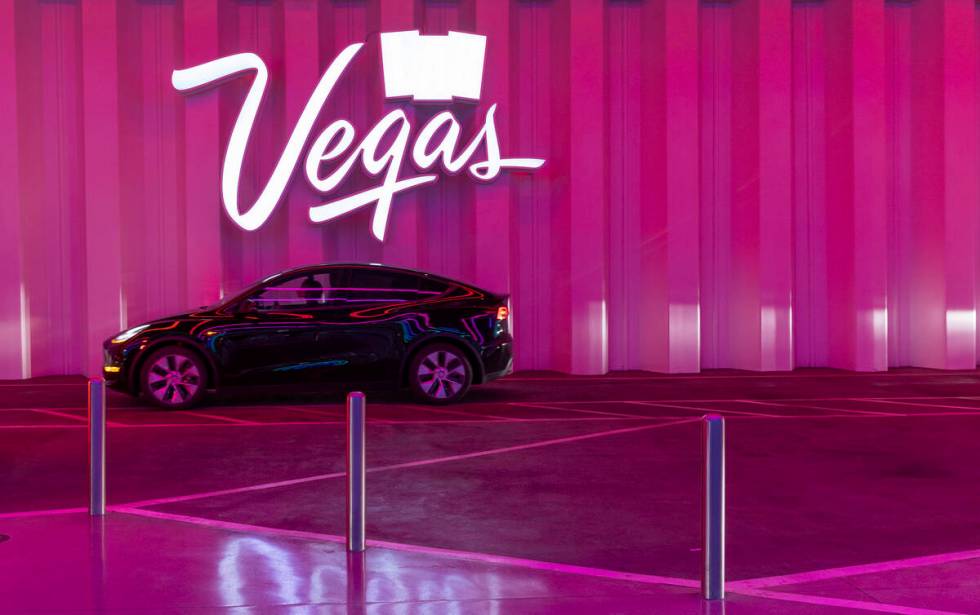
x=303 y=291
x=379 y=287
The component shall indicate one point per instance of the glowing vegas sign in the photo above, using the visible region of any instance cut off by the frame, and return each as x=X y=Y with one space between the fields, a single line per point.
x=425 y=68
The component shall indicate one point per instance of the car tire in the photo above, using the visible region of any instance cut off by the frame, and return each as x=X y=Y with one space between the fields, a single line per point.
x=173 y=378
x=440 y=374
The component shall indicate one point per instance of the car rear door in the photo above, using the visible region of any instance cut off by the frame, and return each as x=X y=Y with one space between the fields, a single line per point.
x=380 y=311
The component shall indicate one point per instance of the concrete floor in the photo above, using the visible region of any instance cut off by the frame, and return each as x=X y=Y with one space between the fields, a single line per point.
x=541 y=493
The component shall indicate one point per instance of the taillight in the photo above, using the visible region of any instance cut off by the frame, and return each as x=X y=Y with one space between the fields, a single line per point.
x=502 y=313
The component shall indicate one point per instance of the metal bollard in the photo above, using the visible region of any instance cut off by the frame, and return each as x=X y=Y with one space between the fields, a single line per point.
x=356 y=502
x=713 y=575
x=96 y=446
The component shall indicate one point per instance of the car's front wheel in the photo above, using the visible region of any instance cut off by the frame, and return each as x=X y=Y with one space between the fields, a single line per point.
x=173 y=378
x=440 y=374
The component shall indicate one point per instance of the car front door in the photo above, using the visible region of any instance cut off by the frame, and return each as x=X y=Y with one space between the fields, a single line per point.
x=275 y=339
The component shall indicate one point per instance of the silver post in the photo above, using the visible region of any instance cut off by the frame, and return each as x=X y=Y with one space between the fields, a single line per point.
x=713 y=577
x=96 y=444
x=356 y=503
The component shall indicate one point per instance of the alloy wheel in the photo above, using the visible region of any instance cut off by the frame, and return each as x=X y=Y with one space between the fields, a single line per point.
x=173 y=379
x=441 y=374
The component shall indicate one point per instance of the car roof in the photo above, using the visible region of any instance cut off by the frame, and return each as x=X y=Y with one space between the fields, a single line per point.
x=378 y=266
x=322 y=266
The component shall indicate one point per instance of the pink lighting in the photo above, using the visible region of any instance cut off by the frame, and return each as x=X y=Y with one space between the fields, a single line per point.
x=753 y=184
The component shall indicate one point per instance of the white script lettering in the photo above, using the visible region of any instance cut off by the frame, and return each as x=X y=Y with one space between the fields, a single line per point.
x=435 y=144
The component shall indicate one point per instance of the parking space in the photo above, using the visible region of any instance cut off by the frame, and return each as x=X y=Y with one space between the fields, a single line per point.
x=849 y=480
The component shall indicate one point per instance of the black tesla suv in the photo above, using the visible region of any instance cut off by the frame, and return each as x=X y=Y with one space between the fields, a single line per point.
x=354 y=325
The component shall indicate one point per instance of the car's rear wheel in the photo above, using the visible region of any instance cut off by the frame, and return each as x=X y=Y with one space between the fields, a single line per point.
x=440 y=374
x=173 y=378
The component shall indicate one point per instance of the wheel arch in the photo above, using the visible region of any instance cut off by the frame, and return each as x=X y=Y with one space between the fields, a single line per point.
x=471 y=355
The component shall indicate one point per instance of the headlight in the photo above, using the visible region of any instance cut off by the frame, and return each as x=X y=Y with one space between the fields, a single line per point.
x=128 y=334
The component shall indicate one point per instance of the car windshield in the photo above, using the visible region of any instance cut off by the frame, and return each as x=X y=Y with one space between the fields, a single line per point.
x=235 y=297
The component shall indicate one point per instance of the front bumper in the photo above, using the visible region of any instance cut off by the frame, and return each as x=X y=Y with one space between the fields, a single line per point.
x=115 y=367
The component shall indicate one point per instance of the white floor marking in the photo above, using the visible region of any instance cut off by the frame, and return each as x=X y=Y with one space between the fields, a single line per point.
x=218 y=417
x=925 y=405
x=811 y=407
x=404 y=465
x=456 y=413
x=517 y=562
x=317 y=411
x=705 y=410
x=66 y=415
x=843 y=603
x=850 y=571
x=502 y=560
x=556 y=408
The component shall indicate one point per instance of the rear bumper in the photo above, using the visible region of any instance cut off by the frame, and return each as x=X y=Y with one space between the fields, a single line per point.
x=508 y=370
x=498 y=361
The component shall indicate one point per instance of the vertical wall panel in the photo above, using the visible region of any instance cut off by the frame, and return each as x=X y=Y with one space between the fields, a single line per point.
x=586 y=190
x=749 y=183
x=652 y=153
x=202 y=162
x=636 y=115
x=52 y=184
x=260 y=30
x=301 y=72
x=402 y=239
x=535 y=282
x=447 y=211
x=752 y=316
x=840 y=284
x=491 y=240
x=866 y=314
x=359 y=100
x=810 y=273
x=898 y=117
x=716 y=177
x=943 y=191
x=14 y=357
x=100 y=78
x=681 y=99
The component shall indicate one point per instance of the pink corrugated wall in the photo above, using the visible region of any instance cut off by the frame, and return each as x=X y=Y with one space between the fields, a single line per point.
x=759 y=184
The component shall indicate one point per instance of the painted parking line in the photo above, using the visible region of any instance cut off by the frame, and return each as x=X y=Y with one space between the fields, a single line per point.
x=481 y=415
x=696 y=410
x=488 y=558
x=821 y=408
x=850 y=571
x=218 y=417
x=66 y=415
x=371 y=421
x=844 y=603
x=323 y=408
x=721 y=400
x=518 y=562
x=45 y=426
x=924 y=404
x=579 y=410
x=396 y=414
x=41 y=513
x=403 y=465
x=319 y=411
